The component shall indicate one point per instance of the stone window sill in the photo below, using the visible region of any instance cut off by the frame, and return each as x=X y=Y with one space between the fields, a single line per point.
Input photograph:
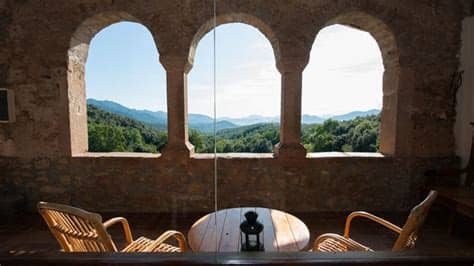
x=336 y=154
x=271 y=156
x=242 y=155
x=204 y=156
x=117 y=155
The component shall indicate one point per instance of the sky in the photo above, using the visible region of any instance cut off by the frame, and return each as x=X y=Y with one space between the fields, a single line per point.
x=344 y=73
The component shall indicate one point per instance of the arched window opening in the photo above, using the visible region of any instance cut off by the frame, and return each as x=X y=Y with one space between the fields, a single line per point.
x=342 y=92
x=248 y=92
x=126 y=91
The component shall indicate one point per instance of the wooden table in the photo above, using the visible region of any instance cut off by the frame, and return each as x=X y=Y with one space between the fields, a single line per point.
x=282 y=231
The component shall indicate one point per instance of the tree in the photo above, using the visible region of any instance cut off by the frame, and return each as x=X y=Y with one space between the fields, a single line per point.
x=133 y=139
x=196 y=139
x=105 y=138
x=364 y=137
x=324 y=142
x=359 y=134
x=111 y=132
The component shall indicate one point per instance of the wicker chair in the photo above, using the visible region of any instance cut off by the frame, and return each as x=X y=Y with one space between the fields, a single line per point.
x=77 y=230
x=406 y=239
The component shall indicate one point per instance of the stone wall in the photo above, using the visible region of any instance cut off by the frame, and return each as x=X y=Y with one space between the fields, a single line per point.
x=43 y=48
x=131 y=184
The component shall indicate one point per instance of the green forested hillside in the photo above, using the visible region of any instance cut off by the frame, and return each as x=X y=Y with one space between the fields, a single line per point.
x=357 y=135
x=259 y=138
x=111 y=132
x=158 y=119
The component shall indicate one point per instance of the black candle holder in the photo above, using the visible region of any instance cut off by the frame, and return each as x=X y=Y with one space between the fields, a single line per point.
x=251 y=233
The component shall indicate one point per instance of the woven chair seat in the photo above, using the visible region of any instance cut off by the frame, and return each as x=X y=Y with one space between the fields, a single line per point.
x=337 y=243
x=142 y=243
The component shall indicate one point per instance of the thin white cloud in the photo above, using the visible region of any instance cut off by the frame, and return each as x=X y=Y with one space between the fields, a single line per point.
x=344 y=74
x=247 y=79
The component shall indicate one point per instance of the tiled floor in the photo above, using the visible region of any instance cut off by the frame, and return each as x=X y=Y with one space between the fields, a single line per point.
x=29 y=232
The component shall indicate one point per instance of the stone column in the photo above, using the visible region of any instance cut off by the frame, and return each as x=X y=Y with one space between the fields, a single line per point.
x=291 y=70
x=388 y=127
x=463 y=132
x=177 y=68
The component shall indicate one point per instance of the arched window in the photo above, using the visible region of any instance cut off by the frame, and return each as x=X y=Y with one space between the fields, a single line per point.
x=342 y=92
x=248 y=92
x=126 y=91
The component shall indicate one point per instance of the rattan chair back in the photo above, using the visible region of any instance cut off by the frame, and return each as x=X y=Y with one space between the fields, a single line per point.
x=75 y=229
x=415 y=220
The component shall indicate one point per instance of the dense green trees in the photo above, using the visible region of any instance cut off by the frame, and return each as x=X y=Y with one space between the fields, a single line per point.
x=106 y=138
x=358 y=135
x=110 y=132
x=259 y=138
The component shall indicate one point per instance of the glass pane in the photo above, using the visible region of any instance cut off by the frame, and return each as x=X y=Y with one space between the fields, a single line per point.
x=239 y=126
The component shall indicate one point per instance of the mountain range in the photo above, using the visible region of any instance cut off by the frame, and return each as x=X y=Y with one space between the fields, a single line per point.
x=204 y=123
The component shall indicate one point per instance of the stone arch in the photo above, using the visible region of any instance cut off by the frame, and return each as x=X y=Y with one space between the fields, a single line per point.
x=76 y=60
x=387 y=44
x=235 y=18
x=82 y=36
x=380 y=31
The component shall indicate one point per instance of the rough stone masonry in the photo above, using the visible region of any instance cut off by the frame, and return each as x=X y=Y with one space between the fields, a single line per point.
x=43 y=155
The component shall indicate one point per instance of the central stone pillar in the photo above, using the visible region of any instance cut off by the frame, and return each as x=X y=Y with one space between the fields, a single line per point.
x=291 y=70
x=177 y=68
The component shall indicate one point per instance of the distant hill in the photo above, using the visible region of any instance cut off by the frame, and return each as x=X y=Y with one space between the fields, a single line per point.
x=113 y=132
x=158 y=119
x=251 y=119
x=305 y=119
x=209 y=127
x=155 y=119
x=204 y=123
x=352 y=115
x=312 y=119
x=244 y=131
x=99 y=116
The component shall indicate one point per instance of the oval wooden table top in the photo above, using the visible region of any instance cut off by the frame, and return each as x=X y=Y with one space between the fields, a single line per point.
x=282 y=231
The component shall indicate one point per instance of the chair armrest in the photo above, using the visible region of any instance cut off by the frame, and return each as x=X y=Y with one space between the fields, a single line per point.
x=165 y=236
x=371 y=217
x=341 y=244
x=126 y=227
